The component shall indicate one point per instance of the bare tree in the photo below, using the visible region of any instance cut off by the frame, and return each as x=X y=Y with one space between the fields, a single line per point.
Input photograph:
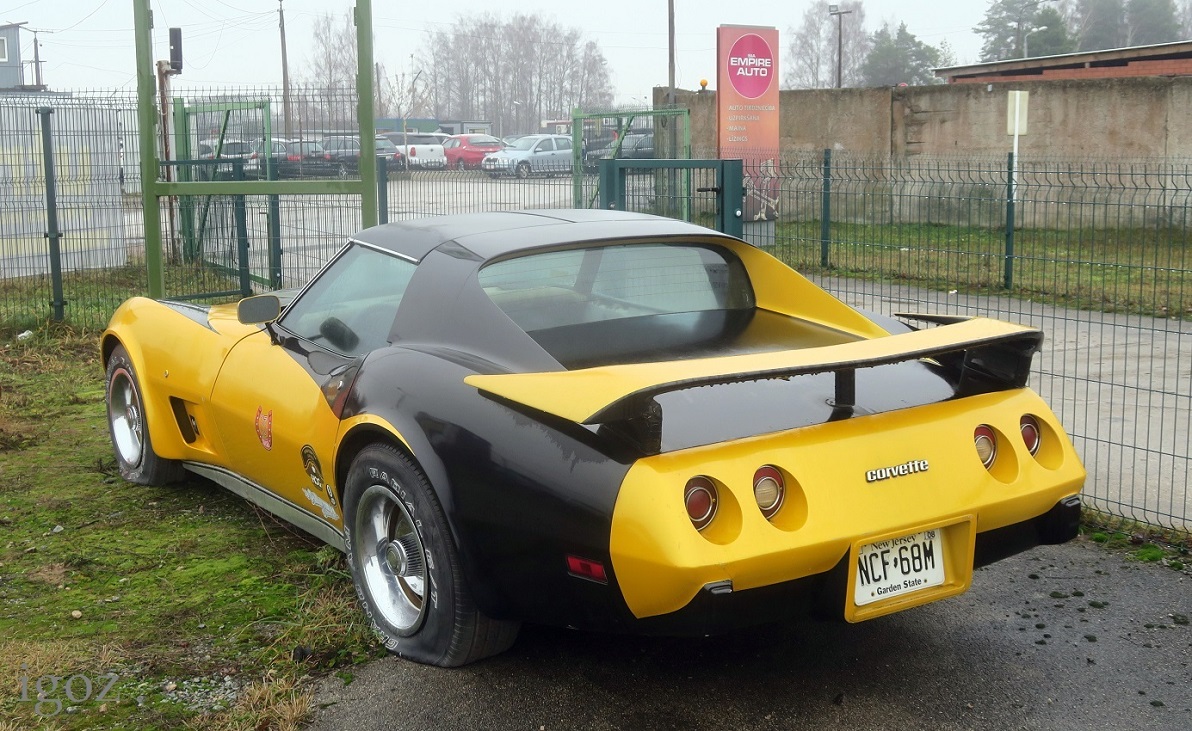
x=514 y=72
x=328 y=99
x=812 y=51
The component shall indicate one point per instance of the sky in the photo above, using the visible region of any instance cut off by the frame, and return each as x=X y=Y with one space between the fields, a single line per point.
x=88 y=44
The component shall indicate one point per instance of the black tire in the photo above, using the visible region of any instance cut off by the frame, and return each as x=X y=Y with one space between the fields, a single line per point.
x=405 y=567
x=522 y=170
x=341 y=171
x=131 y=444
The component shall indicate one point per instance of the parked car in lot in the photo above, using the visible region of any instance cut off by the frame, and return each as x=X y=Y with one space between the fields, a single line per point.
x=468 y=151
x=227 y=150
x=630 y=147
x=531 y=155
x=306 y=159
x=271 y=154
x=344 y=152
x=293 y=159
x=601 y=420
x=421 y=150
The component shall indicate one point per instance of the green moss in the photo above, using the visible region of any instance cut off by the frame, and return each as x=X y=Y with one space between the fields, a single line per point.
x=177 y=582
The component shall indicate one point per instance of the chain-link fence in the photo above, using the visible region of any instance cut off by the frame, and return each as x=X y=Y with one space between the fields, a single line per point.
x=1094 y=252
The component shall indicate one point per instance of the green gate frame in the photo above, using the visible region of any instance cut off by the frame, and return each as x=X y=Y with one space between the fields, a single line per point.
x=153 y=189
x=192 y=237
x=624 y=123
x=729 y=188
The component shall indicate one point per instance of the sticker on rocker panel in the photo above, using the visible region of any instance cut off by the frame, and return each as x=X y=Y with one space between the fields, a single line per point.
x=264 y=424
x=310 y=463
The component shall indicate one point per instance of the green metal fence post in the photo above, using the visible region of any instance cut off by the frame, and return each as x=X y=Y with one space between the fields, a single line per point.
x=612 y=188
x=382 y=190
x=52 y=232
x=240 y=215
x=366 y=120
x=826 y=209
x=1010 y=195
x=274 y=232
x=732 y=195
x=147 y=143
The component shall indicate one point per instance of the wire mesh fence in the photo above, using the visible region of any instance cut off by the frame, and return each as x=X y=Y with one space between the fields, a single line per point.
x=1095 y=252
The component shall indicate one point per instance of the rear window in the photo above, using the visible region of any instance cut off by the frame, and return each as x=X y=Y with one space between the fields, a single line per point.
x=599 y=284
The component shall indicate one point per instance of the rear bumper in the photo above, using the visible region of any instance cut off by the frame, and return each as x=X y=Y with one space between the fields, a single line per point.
x=718 y=608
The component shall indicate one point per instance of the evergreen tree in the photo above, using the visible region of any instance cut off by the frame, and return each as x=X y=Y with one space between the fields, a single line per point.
x=899 y=58
x=1006 y=26
x=1049 y=36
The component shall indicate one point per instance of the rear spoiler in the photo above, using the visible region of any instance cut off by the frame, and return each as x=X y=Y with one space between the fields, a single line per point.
x=986 y=354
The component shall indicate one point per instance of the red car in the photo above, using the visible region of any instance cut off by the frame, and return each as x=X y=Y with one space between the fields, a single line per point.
x=466 y=151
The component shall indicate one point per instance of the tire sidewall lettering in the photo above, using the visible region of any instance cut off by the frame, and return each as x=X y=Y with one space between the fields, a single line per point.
x=432 y=638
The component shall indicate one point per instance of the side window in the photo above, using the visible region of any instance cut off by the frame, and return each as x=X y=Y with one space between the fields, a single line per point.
x=546 y=145
x=351 y=307
x=563 y=143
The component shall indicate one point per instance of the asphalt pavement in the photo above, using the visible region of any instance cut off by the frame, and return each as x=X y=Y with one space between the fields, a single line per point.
x=1063 y=637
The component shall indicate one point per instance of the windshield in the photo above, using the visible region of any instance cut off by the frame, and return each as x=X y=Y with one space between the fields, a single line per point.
x=524 y=143
x=384 y=145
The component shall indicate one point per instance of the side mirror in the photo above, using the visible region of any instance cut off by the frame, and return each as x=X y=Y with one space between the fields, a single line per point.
x=258 y=309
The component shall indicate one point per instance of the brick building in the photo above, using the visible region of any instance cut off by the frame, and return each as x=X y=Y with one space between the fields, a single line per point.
x=1164 y=59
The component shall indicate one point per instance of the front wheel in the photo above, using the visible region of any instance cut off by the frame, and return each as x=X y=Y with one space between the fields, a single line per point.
x=407 y=573
x=523 y=170
x=135 y=457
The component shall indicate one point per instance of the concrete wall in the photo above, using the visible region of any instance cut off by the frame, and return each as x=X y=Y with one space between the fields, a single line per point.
x=1111 y=147
x=1075 y=119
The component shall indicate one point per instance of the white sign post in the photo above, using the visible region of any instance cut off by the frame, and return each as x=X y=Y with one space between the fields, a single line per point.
x=1016 y=125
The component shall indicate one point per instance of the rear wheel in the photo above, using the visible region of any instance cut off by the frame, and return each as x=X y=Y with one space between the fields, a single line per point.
x=341 y=171
x=406 y=569
x=135 y=457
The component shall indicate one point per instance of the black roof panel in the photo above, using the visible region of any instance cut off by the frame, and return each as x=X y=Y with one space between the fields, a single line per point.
x=487 y=235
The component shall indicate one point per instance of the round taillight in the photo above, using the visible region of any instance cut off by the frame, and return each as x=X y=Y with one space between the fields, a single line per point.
x=985 y=440
x=700 y=499
x=769 y=489
x=1029 y=427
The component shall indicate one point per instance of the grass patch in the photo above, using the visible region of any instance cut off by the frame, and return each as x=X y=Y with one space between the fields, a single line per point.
x=1140 y=271
x=92 y=295
x=1171 y=548
x=195 y=600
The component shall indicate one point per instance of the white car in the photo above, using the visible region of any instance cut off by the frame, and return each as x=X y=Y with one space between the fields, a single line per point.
x=421 y=149
x=531 y=155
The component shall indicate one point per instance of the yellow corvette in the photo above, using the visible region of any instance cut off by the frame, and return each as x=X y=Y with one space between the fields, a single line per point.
x=600 y=420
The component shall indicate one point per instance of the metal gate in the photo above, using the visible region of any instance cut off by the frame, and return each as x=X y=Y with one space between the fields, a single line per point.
x=708 y=192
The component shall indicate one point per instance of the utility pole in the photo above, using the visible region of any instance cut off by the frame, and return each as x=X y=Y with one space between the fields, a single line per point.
x=670 y=93
x=285 y=70
x=36 y=61
x=835 y=10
